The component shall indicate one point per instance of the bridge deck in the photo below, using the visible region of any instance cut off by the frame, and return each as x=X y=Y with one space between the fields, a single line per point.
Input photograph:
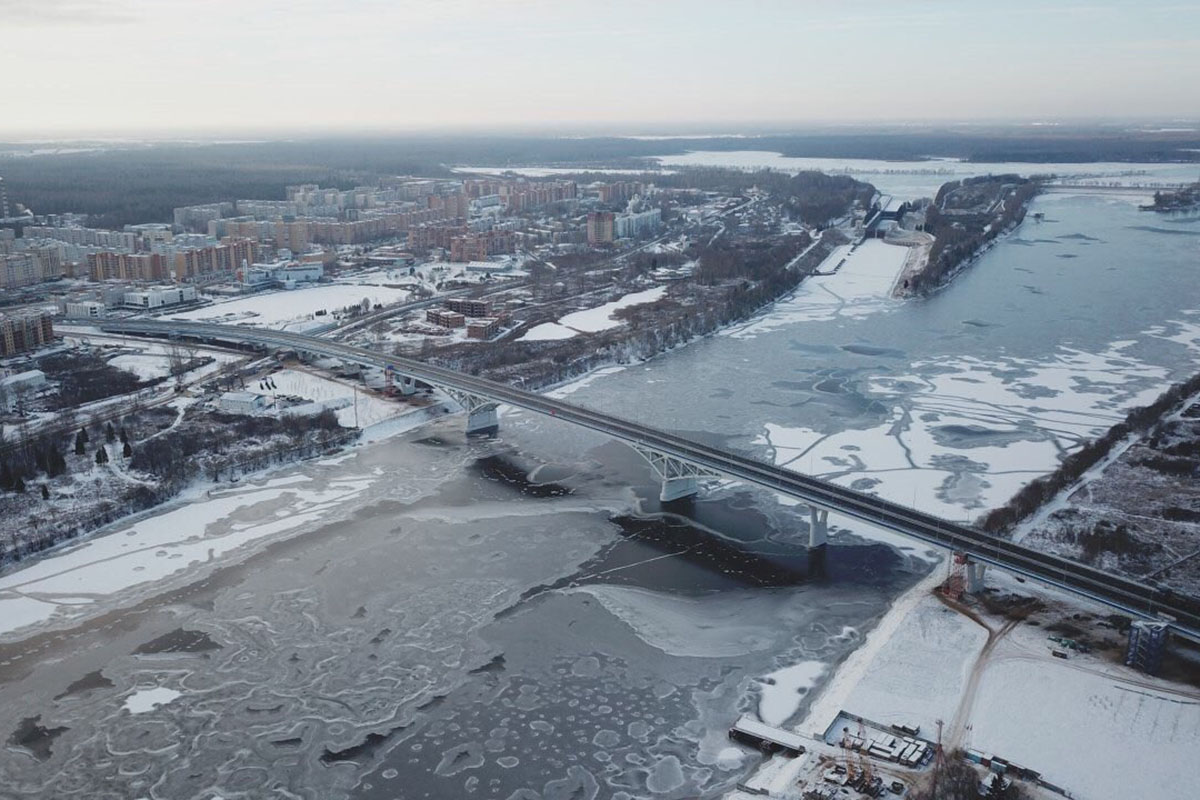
x=1121 y=593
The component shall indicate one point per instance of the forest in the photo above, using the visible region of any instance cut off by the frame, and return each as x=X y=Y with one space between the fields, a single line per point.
x=144 y=183
x=964 y=217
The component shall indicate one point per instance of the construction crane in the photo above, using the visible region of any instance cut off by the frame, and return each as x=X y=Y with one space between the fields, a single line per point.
x=864 y=763
x=845 y=759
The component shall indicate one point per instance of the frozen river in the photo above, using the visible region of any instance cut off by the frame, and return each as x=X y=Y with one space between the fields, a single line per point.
x=514 y=618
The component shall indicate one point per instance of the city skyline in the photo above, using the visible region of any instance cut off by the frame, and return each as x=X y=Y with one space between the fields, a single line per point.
x=90 y=66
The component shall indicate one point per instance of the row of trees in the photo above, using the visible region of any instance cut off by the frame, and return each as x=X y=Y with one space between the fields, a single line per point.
x=43 y=455
x=210 y=445
x=86 y=377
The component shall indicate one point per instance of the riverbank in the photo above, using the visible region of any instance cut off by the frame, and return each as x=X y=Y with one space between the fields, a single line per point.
x=964 y=220
x=685 y=312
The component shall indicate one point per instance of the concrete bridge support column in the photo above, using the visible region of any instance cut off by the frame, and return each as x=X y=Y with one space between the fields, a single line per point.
x=483 y=419
x=974 y=583
x=677 y=489
x=481 y=411
x=679 y=478
x=405 y=385
x=818 y=527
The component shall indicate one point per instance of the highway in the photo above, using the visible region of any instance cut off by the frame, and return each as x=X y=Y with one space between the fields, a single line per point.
x=1123 y=594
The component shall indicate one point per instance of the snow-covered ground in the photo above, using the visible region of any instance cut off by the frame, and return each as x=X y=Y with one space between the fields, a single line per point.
x=279 y=309
x=919 y=674
x=350 y=404
x=592 y=320
x=1087 y=730
x=147 y=366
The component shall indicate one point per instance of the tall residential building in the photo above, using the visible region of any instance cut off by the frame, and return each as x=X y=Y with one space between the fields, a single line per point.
x=195 y=219
x=478 y=246
x=619 y=192
x=3 y=200
x=292 y=234
x=25 y=330
x=630 y=226
x=93 y=237
x=105 y=266
x=19 y=269
x=600 y=227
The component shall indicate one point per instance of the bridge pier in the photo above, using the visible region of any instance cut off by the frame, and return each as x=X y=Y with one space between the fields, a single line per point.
x=679 y=478
x=481 y=411
x=405 y=385
x=677 y=489
x=974 y=583
x=483 y=420
x=1147 y=643
x=818 y=527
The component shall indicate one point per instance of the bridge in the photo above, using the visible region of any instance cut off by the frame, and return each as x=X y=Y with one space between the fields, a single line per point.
x=1128 y=188
x=681 y=464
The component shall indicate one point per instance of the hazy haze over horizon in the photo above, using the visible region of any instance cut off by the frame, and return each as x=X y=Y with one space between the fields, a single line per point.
x=370 y=65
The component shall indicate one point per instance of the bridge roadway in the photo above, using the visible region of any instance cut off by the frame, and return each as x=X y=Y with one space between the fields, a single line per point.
x=1129 y=596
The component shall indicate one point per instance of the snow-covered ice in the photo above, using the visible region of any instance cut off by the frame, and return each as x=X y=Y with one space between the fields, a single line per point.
x=784 y=689
x=683 y=626
x=964 y=434
x=196 y=532
x=144 y=700
x=858 y=288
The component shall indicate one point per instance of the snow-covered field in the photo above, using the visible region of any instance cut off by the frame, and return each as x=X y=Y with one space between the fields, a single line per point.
x=592 y=320
x=1099 y=738
x=278 y=309
x=919 y=675
x=367 y=408
x=146 y=366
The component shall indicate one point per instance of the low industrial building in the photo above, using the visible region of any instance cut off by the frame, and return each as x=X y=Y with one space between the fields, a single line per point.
x=85 y=309
x=445 y=319
x=483 y=328
x=159 y=297
x=468 y=307
x=244 y=403
x=17 y=389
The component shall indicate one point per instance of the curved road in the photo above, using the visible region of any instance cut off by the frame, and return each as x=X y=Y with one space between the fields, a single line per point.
x=1129 y=596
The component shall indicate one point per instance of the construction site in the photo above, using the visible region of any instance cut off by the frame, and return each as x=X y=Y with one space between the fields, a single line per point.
x=966 y=689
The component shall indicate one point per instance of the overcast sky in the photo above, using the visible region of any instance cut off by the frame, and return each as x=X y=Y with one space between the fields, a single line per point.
x=221 y=65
